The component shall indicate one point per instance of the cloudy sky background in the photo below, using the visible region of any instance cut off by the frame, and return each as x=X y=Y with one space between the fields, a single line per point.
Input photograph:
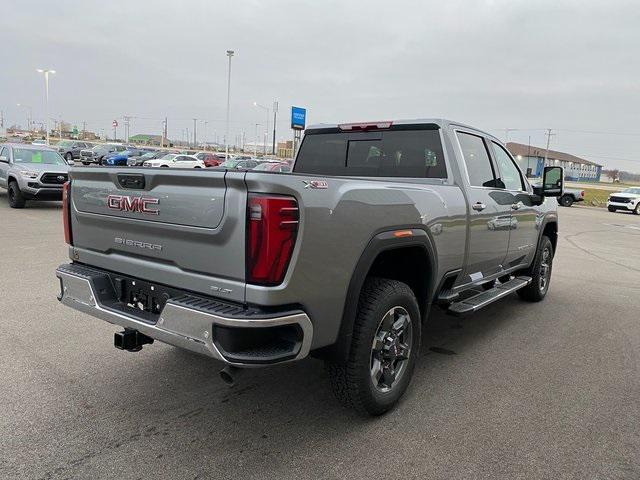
x=528 y=65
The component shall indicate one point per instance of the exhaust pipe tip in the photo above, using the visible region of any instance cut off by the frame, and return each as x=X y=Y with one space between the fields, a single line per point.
x=229 y=375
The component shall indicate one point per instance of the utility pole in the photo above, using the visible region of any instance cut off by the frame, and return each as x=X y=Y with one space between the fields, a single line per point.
x=206 y=137
x=195 y=139
x=230 y=54
x=546 y=153
x=275 y=116
x=84 y=130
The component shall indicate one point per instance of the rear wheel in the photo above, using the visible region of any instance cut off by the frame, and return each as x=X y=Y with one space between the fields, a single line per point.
x=540 y=273
x=85 y=163
x=566 y=200
x=164 y=166
x=15 y=197
x=637 y=209
x=384 y=349
x=612 y=209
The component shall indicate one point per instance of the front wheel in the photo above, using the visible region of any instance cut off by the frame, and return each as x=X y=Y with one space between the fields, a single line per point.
x=566 y=200
x=540 y=273
x=15 y=196
x=611 y=209
x=637 y=209
x=384 y=349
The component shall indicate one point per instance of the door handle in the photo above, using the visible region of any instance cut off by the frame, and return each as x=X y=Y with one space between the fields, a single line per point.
x=516 y=206
x=478 y=206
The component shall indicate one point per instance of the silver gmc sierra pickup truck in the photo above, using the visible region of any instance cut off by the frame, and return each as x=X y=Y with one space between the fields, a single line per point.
x=342 y=258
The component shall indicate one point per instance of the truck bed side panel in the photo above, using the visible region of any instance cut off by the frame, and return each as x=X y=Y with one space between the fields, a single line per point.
x=336 y=225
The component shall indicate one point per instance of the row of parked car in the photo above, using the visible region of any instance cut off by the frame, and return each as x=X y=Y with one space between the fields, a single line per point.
x=116 y=154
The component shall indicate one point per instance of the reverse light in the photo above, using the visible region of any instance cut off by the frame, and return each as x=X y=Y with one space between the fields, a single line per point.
x=272 y=228
x=66 y=212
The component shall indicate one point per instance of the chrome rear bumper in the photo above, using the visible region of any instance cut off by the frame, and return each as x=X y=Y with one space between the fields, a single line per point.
x=84 y=289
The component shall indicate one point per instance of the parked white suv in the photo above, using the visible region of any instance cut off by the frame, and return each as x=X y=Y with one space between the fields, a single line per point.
x=628 y=199
x=174 y=160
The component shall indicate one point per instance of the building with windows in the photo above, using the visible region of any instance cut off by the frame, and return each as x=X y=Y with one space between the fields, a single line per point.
x=531 y=160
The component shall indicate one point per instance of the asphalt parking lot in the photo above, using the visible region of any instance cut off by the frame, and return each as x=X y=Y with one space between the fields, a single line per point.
x=520 y=390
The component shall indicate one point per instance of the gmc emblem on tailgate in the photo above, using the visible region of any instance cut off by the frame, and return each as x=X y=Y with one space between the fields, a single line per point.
x=125 y=203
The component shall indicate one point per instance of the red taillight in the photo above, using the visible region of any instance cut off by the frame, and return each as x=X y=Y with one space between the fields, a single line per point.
x=365 y=126
x=272 y=226
x=66 y=212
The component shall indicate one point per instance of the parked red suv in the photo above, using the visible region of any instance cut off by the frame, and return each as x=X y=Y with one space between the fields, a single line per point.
x=209 y=159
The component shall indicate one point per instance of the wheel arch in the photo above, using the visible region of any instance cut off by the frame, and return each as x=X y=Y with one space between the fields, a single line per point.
x=388 y=254
x=549 y=228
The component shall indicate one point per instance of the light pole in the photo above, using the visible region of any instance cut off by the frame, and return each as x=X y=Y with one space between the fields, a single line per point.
x=226 y=137
x=46 y=96
x=29 y=114
x=255 y=143
x=275 y=117
x=266 y=109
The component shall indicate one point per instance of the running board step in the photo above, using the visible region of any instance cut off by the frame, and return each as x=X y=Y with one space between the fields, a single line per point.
x=475 y=303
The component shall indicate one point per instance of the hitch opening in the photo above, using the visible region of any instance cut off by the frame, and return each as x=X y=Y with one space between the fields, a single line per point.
x=130 y=340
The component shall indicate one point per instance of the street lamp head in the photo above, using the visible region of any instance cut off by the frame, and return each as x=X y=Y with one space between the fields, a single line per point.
x=230 y=53
x=39 y=70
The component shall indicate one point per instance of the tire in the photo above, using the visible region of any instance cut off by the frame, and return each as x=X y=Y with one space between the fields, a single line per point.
x=382 y=305
x=164 y=166
x=637 y=209
x=612 y=209
x=540 y=273
x=85 y=163
x=14 y=195
x=566 y=200
x=68 y=157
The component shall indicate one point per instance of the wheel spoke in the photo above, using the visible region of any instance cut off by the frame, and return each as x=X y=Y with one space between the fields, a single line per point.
x=376 y=371
x=399 y=325
x=388 y=376
x=403 y=352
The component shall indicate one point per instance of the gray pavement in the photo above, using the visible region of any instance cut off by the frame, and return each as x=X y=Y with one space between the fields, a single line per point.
x=549 y=390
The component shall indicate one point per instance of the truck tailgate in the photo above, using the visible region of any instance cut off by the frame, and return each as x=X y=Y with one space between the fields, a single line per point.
x=184 y=228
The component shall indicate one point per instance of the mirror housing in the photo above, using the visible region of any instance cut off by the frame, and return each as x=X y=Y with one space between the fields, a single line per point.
x=552 y=183
x=4 y=159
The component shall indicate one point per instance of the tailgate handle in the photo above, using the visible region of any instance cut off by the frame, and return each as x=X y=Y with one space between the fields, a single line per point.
x=134 y=181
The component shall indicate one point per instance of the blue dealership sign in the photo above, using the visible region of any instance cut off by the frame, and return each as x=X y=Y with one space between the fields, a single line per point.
x=298 y=118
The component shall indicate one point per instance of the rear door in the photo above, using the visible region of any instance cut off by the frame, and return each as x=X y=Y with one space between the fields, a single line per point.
x=4 y=166
x=183 y=228
x=489 y=209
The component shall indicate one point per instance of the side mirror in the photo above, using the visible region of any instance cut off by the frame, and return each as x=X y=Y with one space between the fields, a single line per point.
x=70 y=162
x=553 y=182
x=4 y=159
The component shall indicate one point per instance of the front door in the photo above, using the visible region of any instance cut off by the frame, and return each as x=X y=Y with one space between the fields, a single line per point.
x=523 y=233
x=489 y=211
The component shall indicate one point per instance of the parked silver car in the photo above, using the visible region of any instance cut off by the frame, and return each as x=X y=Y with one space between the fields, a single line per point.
x=31 y=172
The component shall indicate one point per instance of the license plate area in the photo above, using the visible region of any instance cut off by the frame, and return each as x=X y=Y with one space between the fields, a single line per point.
x=139 y=298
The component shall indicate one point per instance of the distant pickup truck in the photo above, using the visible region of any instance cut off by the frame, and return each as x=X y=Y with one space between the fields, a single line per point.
x=570 y=196
x=343 y=258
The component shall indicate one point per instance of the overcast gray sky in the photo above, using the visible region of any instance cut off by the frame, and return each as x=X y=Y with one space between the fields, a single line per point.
x=568 y=65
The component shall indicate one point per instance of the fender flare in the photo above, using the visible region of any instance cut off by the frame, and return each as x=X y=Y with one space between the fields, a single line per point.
x=549 y=218
x=381 y=242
